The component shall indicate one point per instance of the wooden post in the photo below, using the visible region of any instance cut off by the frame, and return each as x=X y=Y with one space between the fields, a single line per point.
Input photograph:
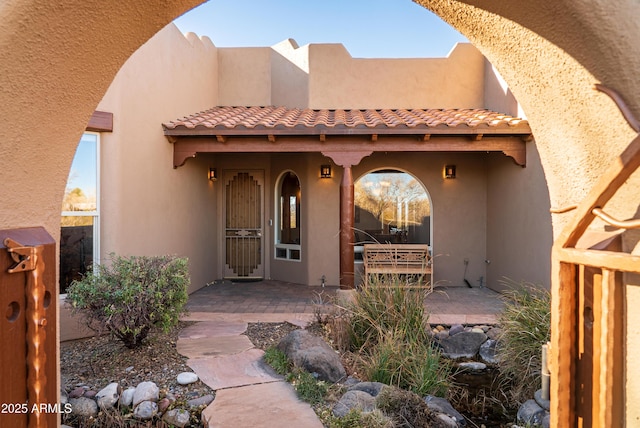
x=347 y=280
x=347 y=160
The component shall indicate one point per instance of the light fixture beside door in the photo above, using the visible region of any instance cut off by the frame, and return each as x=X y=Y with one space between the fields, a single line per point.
x=325 y=171
x=213 y=174
x=449 y=171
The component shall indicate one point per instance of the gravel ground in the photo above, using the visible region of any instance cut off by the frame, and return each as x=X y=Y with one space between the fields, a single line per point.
x=95 y=362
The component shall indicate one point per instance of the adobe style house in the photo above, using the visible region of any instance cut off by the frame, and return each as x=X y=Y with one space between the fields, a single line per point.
x=59 y=60
x=266 y=120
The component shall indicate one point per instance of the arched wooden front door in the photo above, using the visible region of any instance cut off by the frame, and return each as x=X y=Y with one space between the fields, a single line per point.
x=243 y=224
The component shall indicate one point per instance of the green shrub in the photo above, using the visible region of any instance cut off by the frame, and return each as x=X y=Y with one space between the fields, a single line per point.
x=526 y=324
x=131 y=295
x=389 y=331
x=278 y=360
x=355 y=419
x=307 y=387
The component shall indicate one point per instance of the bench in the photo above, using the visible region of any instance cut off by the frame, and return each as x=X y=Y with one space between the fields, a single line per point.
x=394 y=260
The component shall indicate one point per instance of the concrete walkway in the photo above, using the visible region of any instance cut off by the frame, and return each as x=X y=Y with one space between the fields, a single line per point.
x=248 y=393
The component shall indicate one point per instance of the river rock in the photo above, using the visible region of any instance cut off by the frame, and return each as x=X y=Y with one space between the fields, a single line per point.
x=108 y=396
x=530 y=413
x=455 y=329
x=126 y=398
x=205 y=400
x=177 y=417
x=145 y=391
x=312 y=354
x=474 y=366
x=145 y=410
x=186 y=378
x=83 y=406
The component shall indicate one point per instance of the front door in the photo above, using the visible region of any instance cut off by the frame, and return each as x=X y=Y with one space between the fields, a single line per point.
x=243 y=224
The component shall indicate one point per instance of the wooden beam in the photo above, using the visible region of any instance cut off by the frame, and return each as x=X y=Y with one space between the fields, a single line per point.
x=100 y=121
x=478 y=137
x=426 y=137
x=323 y=138
x=619 y=261
x=518 y=154
x=271 y=138
x=374 y=137
x=221 y=139
x=181 y=156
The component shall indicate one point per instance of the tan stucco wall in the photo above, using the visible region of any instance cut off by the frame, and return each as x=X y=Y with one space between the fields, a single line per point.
x=147 y=207
x=326 y=76
x=53 y=74
x=339 y=81
x=518 y=222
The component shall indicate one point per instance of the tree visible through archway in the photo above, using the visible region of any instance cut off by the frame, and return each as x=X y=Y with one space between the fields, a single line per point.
x=391 y=206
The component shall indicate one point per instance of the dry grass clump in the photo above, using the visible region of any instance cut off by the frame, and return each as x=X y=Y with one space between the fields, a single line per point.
x=526 y=324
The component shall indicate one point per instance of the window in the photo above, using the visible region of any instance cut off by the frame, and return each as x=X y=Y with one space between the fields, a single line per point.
x=80 y=225
x=288 y=233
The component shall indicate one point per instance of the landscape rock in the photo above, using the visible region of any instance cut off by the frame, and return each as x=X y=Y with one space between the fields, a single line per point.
x=126 y=398
x=145 y=410
x=64 y=398
x=177 y=417
x=455 y=329
x=90 y=394
x=494 y=333
x=163 y=404
x=442 y=335
x=489 y=352
x=83 y=406
x=545 y=404
x=440 y=405
x=462 y=345
x=77 y=392
x=313 y=354
x=371 y=388
x=186 y=378
x=354 y=399
x=474 y=366
x=530 y=413
x=546 y=421
x=108 y=396
x=446 y=421
x=145 y=391
x=205 y=400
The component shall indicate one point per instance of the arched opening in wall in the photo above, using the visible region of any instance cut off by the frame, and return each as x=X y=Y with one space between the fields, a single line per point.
x=391 y=206
x=288 y=227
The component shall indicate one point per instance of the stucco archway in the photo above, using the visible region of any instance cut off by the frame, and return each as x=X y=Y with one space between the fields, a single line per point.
x=58 y=60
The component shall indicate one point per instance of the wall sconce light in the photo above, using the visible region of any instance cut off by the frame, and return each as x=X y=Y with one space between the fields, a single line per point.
x=449 y=171
x=213 y=174
x=325 y=171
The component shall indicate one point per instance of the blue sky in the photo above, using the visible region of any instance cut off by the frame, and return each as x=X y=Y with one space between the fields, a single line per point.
x=368 y=28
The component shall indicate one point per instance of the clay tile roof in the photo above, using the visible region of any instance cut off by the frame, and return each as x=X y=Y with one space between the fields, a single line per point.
x=293 y=121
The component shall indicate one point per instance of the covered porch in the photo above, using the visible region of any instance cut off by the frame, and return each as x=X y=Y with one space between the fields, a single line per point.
x=342 y=138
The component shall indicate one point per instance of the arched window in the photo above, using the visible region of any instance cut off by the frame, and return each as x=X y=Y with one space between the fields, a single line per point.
x=391 y=206
x=288 y=220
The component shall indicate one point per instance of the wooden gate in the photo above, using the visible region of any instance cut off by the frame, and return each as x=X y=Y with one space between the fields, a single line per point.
x=588 y=306
x=243 y=224
x=28 y=298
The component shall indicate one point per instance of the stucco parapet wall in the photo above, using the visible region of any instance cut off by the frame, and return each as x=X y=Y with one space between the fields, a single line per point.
x=326 y=76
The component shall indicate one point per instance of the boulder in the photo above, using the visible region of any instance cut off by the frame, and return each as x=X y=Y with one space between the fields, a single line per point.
x=354 y=399
x=145 y=391
x=545 y=404
x=312 y=354
x=462 y=345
